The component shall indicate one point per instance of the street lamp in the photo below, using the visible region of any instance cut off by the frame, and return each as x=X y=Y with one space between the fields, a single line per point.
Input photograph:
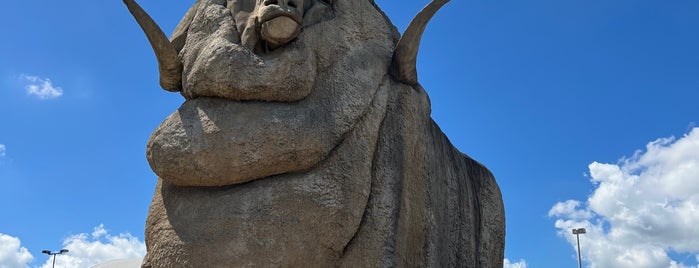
x=577 y=233
x=48 y=252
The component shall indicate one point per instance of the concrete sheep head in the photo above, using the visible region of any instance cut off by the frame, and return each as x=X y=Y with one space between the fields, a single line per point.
x=278 y=92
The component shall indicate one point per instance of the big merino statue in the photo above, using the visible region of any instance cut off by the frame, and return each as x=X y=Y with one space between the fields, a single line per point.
x=305 y=140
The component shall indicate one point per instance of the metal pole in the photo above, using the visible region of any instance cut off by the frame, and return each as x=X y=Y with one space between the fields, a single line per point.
x=54 y=261
x=577 y=235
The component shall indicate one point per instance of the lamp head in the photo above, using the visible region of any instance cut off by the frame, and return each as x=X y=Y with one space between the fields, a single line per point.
x=579 y=231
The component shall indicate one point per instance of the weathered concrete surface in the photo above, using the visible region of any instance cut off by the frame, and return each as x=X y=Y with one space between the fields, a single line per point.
x=310 y=153
x=430 y=205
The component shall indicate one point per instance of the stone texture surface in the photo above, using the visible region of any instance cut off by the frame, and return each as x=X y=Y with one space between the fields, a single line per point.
x=310 y=154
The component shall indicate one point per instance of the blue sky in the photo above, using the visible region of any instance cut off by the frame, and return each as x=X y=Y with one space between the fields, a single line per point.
x=571 y=105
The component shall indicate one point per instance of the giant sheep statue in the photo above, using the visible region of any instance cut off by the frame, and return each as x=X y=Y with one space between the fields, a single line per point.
x=305 y=140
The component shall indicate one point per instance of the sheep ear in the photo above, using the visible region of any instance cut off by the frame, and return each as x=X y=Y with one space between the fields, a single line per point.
x=169 y=64
x=179 y=36
x=403 y=68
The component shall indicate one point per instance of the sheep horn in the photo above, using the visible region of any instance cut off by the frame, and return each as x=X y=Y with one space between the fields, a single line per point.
x=403 y=68
x=168 y=62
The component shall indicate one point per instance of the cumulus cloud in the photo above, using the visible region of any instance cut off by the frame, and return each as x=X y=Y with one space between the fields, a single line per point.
x=12 y=254
x=643 y=210
x=2 y=150
x=87 y=250
x=519 y=264
x=42 y=88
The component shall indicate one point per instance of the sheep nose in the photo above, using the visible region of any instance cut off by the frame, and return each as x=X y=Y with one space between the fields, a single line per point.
x=284 y=4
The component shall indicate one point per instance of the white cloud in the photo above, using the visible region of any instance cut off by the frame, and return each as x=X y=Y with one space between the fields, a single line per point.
x=40 y=87
x=643 y=208
x=84 y=250
x=519 y=264
x=99 y=231
x=12 y=254
x=569 y=209
x=98 y=247
x=2 y=150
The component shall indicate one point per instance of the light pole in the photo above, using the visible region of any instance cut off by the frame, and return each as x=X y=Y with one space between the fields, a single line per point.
x=577 y=233
x=48 y=252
